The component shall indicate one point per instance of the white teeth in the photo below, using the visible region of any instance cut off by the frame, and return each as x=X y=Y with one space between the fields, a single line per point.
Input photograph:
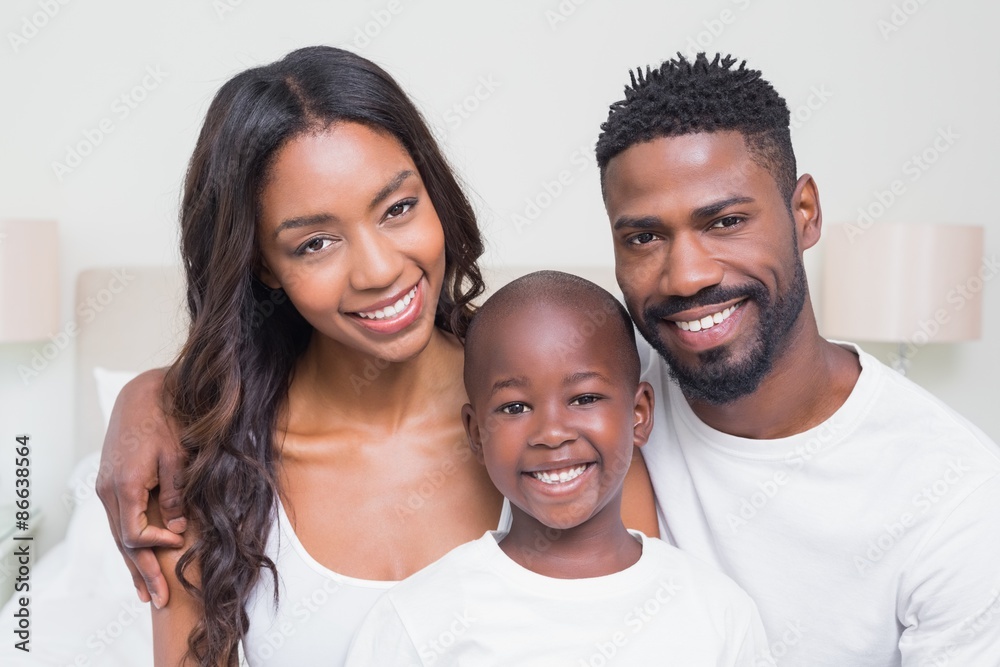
x=559 y=478
x=708 y=321
x=394 y=309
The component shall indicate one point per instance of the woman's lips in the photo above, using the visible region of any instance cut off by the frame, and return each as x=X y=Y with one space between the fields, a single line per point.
x=395 y=317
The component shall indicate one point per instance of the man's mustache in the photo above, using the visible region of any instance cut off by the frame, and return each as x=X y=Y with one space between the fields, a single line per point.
x=716 y=294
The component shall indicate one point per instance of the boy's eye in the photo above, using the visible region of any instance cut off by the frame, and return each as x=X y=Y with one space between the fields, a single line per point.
x=513 y=408
x=586 y=399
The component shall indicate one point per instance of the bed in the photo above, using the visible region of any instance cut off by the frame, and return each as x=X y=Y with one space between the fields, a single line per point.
x=84 y=607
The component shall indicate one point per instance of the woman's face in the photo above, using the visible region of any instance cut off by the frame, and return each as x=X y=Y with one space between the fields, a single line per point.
x=349 y=232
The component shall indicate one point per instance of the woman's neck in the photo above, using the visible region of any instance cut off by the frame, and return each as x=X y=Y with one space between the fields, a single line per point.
x=334 y=384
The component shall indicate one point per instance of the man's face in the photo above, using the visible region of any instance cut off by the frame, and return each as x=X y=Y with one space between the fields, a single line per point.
x=707 y=258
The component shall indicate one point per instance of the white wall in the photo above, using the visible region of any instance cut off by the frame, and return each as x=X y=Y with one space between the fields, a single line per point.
x=552 y=69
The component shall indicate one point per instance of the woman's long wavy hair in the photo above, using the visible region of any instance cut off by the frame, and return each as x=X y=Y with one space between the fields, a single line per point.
x=233 y=373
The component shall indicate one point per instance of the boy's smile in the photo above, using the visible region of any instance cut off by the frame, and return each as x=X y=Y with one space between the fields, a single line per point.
x=554 y=422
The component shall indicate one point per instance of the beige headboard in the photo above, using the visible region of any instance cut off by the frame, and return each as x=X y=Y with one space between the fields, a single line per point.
x=128 y=319
x=133 y=319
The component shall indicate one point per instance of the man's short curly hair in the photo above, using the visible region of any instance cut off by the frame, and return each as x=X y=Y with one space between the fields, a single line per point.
x=684 y=97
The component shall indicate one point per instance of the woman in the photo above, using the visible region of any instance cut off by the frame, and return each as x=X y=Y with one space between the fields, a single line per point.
x=331 y=263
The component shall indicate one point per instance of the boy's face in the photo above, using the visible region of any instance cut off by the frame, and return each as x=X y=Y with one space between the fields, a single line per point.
x=553 y=415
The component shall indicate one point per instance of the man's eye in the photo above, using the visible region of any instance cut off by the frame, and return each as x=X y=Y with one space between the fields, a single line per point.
x=514 y=408
x=641 y=239
x=725 y=223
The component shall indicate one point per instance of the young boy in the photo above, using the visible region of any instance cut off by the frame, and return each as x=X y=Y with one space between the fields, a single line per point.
x=555 y=409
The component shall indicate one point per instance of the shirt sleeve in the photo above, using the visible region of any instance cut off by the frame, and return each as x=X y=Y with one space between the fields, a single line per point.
x=753 y=650
x=383 y=640
x=949 y=602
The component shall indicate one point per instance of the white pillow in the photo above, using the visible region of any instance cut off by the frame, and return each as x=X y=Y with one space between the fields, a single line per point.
x=109 y=385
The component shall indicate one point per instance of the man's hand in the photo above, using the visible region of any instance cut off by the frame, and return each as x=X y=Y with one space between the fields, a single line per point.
x=142 y=452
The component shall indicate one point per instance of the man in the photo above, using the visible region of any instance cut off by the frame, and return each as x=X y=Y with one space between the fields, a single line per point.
x=858 y=511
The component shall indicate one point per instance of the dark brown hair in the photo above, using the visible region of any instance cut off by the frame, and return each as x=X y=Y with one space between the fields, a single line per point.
x=233 y=373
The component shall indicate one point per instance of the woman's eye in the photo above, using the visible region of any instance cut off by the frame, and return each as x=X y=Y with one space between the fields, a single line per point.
x=729 y=221
x=514 y=408
x=585 y=400
x=641 y=239
x=400 y=208
x=313 y=246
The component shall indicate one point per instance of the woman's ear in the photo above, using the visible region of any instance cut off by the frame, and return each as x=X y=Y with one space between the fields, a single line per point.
x=472 y=430
x=643 y=414
x=266 y=276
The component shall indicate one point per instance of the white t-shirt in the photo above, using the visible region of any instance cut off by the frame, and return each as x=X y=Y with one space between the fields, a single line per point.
x=319 y=610
x=475 y=606
x=872 y=539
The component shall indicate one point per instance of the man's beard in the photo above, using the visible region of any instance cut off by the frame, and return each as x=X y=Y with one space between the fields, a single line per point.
x=721 y=377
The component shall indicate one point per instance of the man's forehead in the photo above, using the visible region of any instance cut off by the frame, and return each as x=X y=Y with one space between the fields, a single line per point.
x=697 y=168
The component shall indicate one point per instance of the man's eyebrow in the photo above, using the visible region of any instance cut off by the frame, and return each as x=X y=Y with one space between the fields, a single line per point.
x=706 y=211
x=390 y=187
x=580 y=376
x=715 y=208
x=304 y=221
x=505 y=383
x=643 y=222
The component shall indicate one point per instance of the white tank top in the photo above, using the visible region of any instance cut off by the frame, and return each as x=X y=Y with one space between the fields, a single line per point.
x=319 y=610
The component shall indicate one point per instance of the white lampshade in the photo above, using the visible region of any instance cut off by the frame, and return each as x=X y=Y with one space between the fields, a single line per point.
x=29 y=280
x=903 y=283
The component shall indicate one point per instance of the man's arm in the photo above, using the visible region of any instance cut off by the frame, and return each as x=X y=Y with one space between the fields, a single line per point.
x=142 y=452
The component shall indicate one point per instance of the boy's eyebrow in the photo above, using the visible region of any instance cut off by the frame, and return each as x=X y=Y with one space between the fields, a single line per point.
x=580 y=376
x=505 y=383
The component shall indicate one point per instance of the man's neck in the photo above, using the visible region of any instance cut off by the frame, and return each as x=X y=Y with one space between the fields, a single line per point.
x=808 y=383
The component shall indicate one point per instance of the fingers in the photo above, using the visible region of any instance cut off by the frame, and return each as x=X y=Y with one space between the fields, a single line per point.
x=136 y=530
x=171 y=466
x=151 y=575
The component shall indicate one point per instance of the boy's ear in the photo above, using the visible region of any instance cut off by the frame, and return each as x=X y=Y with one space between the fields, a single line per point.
x=642 y=414
x=472 y=430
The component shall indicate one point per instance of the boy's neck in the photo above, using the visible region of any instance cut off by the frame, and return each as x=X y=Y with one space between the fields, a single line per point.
x=598 y=547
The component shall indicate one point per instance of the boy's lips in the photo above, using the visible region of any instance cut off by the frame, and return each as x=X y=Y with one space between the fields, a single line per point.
x=560 y=477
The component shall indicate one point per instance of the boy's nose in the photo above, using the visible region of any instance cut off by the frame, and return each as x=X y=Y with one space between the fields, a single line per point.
x=553 y=428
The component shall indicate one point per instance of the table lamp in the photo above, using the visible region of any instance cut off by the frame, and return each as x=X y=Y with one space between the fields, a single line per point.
x=29 y=280
x=909 y=284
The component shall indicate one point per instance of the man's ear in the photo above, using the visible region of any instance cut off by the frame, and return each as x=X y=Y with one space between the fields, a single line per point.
x=806 y=211
x=472 y=430
x=642 y=414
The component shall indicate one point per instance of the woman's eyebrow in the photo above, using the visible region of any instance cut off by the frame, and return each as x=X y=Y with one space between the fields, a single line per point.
x=390 y=187
x=304 y=221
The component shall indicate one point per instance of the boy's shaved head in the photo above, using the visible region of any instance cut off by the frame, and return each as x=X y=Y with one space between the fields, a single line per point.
x=598 y=310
